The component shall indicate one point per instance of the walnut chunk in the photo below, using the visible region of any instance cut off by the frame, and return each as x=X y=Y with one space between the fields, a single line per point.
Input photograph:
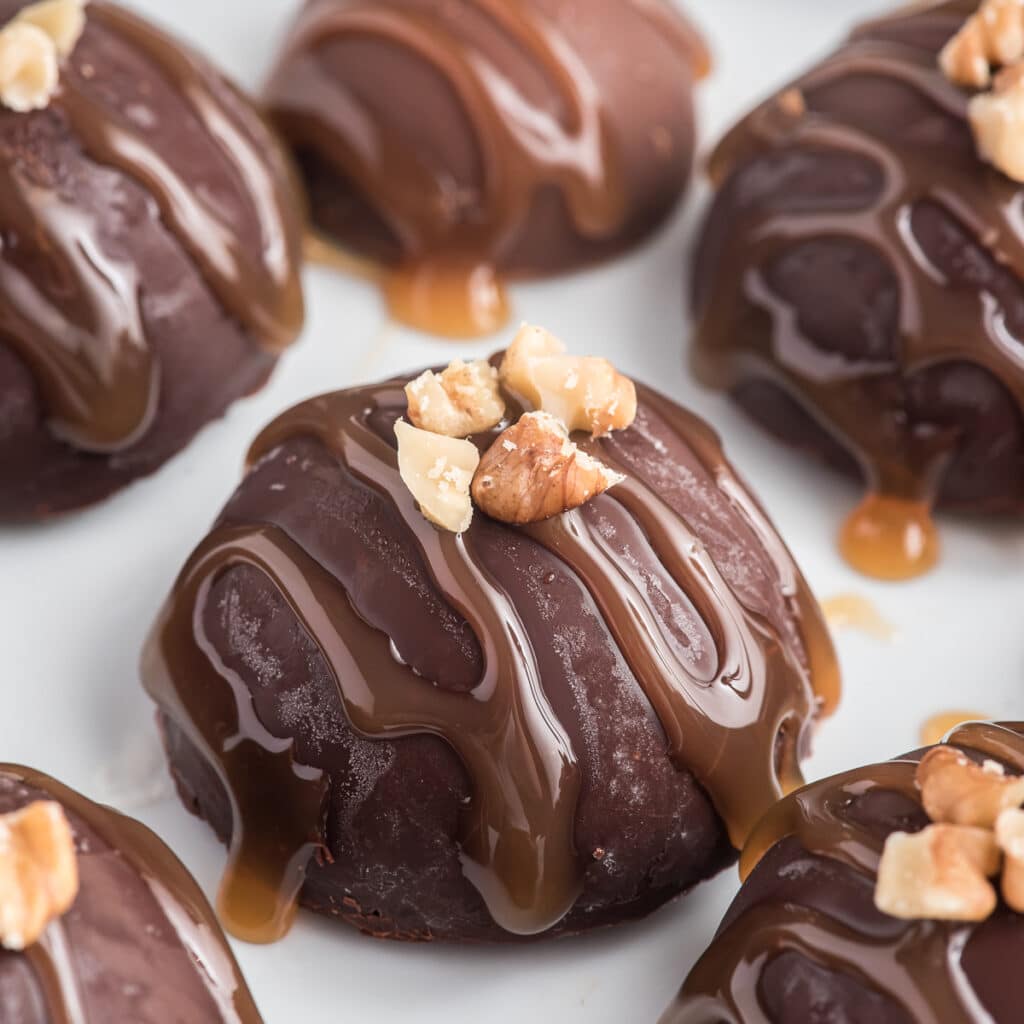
x=957 y=791
x=533 y=472
x=993 y=36
x=438 y=471
x=997 y=119
x=584 y=392
x=38 y=871
x=463 y=399
x=1009 y=832
x=940 y=873
x=62 y=20
x=28 y=67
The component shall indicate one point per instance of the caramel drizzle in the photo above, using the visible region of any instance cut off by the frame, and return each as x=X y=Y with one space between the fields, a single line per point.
x=517 y=835
x=174 y=889
x=916 y=966
x=86 y=345
x=523 y=148
x=936 y=322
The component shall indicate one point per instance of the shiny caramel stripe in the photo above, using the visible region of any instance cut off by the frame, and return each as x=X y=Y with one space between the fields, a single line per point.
x=918 y=968
x=173 y=888
x=89 y=351
x=516 y=839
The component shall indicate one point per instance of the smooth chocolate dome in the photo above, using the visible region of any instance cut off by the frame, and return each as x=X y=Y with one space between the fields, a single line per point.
x=804 y=941
x=140 y=943
x=149 y=252
x=858 y=283
x=509 y=732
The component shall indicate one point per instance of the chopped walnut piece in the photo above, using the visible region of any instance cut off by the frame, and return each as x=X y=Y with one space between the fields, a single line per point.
x=438 y=471
x=584 y=392
x=993 y=36
x=28 y=67
x=38 y=871
x=1010 y=838
x=533 y=472
x=956 y=790
x=997 y=119
x=461 y=400
x=940 y=873
x=62 y=20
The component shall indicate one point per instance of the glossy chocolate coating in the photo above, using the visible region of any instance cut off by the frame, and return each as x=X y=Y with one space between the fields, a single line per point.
x=140 y=942
x=523 y=138
x=858 y=283
x=149 y=249
x=509 y=732
x=803 y=940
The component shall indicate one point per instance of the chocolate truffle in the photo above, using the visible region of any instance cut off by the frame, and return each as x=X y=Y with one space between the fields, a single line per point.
x=149 y=248
x=804 y=939
x=457 y=143
x=858 y=286
x=512 y=731
x=139 y=943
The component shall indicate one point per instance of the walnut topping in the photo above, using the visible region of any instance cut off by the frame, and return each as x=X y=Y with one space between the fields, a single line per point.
x=940 y=873
x=28 y=67
x=1010 y=838
x=997 y=119
x=533 y=472
x=584 y=392
x=958 y=791
x=464 y=399
x=993 y=36
x=62 y=20
x=38 y=871
x=438 y=471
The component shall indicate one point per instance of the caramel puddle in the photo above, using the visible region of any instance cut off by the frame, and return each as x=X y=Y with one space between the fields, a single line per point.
x=851 y=611
x=455 y=302
x=935 y=729
x=890 y=538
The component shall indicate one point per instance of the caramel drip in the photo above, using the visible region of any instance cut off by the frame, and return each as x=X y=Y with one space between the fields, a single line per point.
x=517 y=834
x=891 y=536
x=85 y=341
x=175 y=891
x=50 y=959
x=915 y=964
x=454 y=243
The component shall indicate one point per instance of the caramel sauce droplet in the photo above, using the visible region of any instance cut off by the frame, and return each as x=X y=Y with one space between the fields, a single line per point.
x=890 y=538
x=458 y=302
x=851 y=611
x=935 y=729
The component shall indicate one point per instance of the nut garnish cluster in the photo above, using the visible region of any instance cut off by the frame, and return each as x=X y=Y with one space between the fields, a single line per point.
x=976 y=833
x=532 y=470
x=38 y=872
x=992 y=39
x=32 y=45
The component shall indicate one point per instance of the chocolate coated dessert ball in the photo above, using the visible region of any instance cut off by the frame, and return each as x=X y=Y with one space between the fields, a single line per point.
x=886 y=895
x=858 y=286
x=138 y=942
x=505 y=732
x=453 y=142
x=149 y=247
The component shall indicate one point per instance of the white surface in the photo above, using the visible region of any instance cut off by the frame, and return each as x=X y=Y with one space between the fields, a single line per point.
x=77 y=597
